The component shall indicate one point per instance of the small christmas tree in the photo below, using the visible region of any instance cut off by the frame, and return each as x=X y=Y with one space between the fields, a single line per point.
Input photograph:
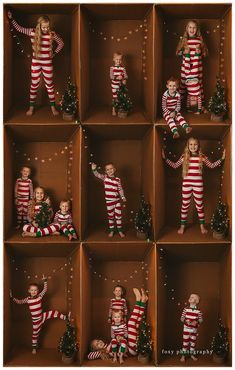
x=220 y=220
x=69 y=100
x=220 y=344
x=143 y=219
x=68 y=342
x=217 y=104
x=144 y=342
x=43 y=217
x=123 y=102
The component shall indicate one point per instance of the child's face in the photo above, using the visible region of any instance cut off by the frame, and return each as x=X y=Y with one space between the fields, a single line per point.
x=33 y=290
x=192 y=29
x=193 y=299
x=172 y=86
x=64 y=207
x=25 y=172
x=193 y=145
x=45 y=27
x=97 y=344
x=117 y=318
x=117 y=292
x=110 y=170
x=39 y=194
x=117 y=60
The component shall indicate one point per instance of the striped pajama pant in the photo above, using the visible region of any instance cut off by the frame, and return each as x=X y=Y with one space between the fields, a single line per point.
x=183 y=78
x=44 y=67
x=179 y=119
x=133 y=326
x=37 y=324
x=195 y=189
x=67 y=229
x=114 y=211
x=22 y=210
x=41 y=231
x=189 y=339
x=115 y=344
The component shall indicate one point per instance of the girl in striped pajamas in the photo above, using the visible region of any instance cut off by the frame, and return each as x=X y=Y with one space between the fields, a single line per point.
x=23 y=195
x=42 y=39
x=192 y=318
x=34 y=300
x=63 y=218
x=118 y=76
x=99 y=349
x=32 y=229
x=192 y=38
x=118 y=303
x=113 y=192
x=192 y=162
x=119 y=336
x=171 y=106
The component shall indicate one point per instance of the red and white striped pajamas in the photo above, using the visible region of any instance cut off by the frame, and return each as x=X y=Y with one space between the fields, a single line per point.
x=172 y=103
x=115 y=72
x=65 y=222
x=132 y=332
x=119 y=305
x=191 y=317
x=119 y=330
x=193 y=185
x=192 y=42
x=38 y=316
x=113 y=191
x=40 y=231
x=193 y=87
x=42 y=63
x=23 y=194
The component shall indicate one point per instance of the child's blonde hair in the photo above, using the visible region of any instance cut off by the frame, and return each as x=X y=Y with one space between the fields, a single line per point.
x=32 y=205
x=38 y=35
x=187 y=155
x=65 y=201
x=184 y=40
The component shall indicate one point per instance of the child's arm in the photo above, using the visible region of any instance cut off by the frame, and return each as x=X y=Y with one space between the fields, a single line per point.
x=170 y=163
x=178 y=104
x=112 y=333
x=110 y=311
x=212 y=164
x=96 y=173
x=59 y=41
x=125 y=308
x=164 y=105
x=70 y=219
x=200 y=318
x=125 y=76
x=111 y=74
x=19 y=301
x=43 y=292
x=25 y=31
x=94 y=355
x=56 y=218
x=183 y=315
x=30 y=189
x=16 y=191
x=120 y=190
x=125 y=331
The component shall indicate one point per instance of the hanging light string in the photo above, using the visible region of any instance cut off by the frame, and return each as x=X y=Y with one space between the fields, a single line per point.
x=69 y=170
x=179 y=34
x=16 y=38
x=221 y=53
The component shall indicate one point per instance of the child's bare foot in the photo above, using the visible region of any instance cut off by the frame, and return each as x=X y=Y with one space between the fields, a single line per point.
x=203 y=229
x=115 y=357
x=30 y=111
x=70 y=237
x=27 y=233
x=188 y=130
x=54 y=111
x=193 y=358
x=114 y=113
x=122 y=235
x=176 y=135
x=111 y=234
x=121 y=359
x=74 y=236
x=137 y=294
x=144 y=297
x=197 y=112
x=56 y=233
x=181 y=229
x=34 y=351
x=182 y=359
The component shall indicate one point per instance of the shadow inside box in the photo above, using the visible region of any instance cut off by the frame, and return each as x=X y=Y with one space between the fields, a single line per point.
x=97 y=233
x=128 y=362
x=203 y=360
x=16 y=236
x=104 y=115
x=192 y=234
x=42 y=114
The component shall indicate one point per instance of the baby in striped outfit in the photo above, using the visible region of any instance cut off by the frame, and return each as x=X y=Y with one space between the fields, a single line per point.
x=118 y=303
x=63 y=218
x=118 y=76
x=119 y=336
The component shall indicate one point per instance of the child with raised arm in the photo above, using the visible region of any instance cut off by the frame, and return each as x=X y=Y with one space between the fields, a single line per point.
x=118 y=303
x=118 y=76
x=113 y=192
x=192 y=161
x=63 y=218
x=42 y=39
x=34 y=301
x=23 y=195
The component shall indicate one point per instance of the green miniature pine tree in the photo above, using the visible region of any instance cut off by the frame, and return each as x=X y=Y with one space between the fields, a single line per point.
x=220 y=344
x=69 y=100
x=217 y=103
x=144 y=342
x=143 y=219
x=68 y=342
x=220 y=220
x=123 y=102
x=43 y=217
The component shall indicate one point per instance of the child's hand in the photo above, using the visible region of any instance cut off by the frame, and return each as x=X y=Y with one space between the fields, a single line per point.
x=109 y=321
x=44 y=277
x=10 y=293
x=119 y=77
x=223 y=155
x=119 y=338
x=124 y=199
x=186 y=50
x=172 y=114
x=93 y=166
x=198 y=49
x=9 y=14
x=163 y=154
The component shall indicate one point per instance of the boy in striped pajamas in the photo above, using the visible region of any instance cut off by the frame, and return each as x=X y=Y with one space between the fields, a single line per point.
x=42 y=39
x=192 y=162
x=113 y=192
x=119 y=336
x=192 y=318
x=63 y=218
x=171 y=106
x=118 y=303
x=118 y=76
x=23 y=195
x=34 y=301
x=99 y=349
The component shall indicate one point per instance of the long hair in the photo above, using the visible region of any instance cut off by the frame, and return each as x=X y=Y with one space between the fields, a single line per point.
x=38 y=35
x=32 y=205
x=187 y=155
x=184 y=40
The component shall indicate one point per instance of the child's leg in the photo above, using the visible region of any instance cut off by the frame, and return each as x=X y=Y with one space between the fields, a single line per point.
x=118 y=217
x=186 y=340
x=171 y=123
x=192 y=342
x=37 y=326
x=187 y=191
x=35 y=80
x=19 y=212
x=71 y=229
x=198 y=199
x=110 y=209
x=133 y=324
x=47 y=71
x=29 y=228
x=50 y=229
x=53 y=314
x=123 y=345
x=180 y=119
x=25 y=211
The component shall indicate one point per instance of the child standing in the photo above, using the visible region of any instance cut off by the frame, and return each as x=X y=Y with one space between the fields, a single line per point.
x=42 y=39
x=63 y=217
x=118 y=76
x=113 y=192
x=119 y=336
x=34 y=300
x=118 y=303
x=171 y=106
x=191 y=317
x=23 y=195
x=192 y=162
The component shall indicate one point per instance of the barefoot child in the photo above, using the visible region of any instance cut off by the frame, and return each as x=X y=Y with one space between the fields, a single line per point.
x=118 y=303
x=63 y=218
x=23 y=195
x=118 y=76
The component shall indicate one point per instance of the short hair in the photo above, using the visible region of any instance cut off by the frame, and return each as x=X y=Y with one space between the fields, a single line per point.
x=92 y=348
x=173 y=79
x=108 y=164
x=21 y=168
x=120 y=286
x=117 y=54
x=117 y=311
x=65 y=201
x=33 y=284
